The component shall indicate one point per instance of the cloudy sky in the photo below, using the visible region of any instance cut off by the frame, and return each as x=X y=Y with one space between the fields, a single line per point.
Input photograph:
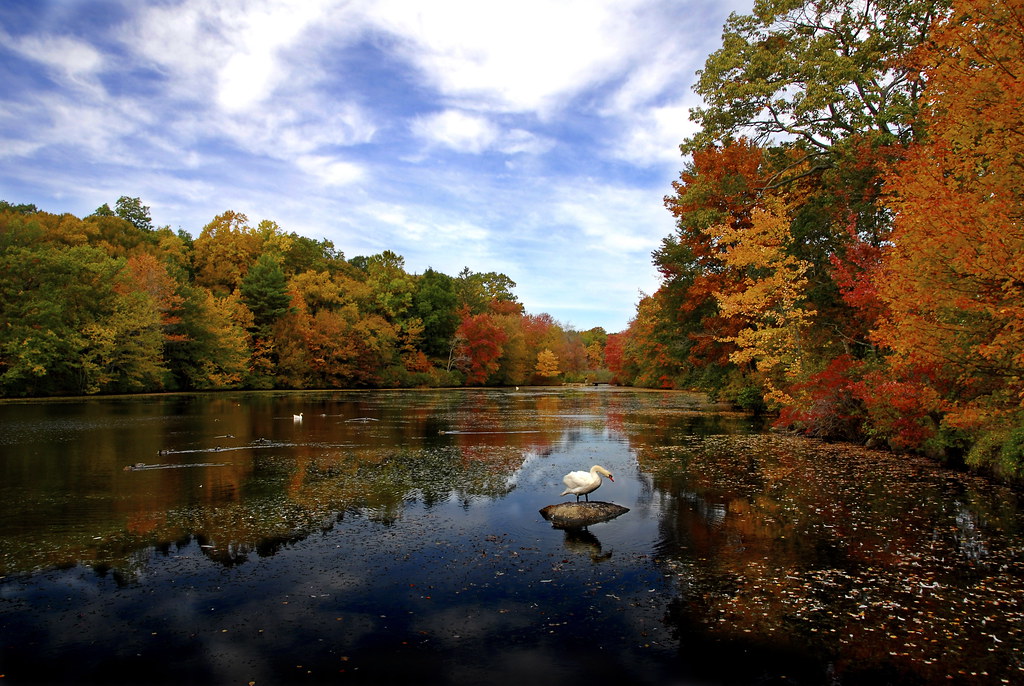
x=532 y=138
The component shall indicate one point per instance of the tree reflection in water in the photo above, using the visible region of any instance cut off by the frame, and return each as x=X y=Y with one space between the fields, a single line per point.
x=393 y=537
x=878 y=563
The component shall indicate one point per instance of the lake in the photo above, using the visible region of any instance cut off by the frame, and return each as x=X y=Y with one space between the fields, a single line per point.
x=393 y=537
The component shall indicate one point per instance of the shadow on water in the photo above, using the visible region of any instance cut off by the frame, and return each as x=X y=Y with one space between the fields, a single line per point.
x=396 y=537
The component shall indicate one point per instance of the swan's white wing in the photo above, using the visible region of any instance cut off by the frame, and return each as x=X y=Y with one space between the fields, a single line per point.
x=577 y=479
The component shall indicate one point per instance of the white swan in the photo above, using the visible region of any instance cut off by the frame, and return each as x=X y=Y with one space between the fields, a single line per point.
x=583 y=483
x=297 y=417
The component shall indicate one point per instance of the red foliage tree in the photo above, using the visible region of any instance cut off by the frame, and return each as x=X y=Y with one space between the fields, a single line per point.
x=719 y=188
x=482 y=345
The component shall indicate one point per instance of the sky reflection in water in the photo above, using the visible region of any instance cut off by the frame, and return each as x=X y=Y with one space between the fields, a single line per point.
x=394 y=537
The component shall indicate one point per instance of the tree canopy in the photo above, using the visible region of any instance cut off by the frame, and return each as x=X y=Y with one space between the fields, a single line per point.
x=849 y=243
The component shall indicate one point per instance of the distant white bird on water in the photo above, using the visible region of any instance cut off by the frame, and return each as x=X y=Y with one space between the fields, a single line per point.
x=583 y=483
x=297 y=417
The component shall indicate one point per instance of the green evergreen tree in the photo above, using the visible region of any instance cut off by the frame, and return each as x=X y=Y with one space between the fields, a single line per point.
x=435 y=303
x=264 y=290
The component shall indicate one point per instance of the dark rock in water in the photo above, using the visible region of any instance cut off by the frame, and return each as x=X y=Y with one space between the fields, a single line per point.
x=568 y=515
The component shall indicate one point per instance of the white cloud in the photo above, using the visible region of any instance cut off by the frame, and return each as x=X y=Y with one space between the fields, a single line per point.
x=652 y=137
x=425 y=223
x=615 y=220
x=259 y=35
x=474 y=133
x=246 y=80
x=522 y=141
x=72 y=60
x=531 y=55
x=233 y=54
x=329 y=171
x=288 y=130
x=10 y=147
x=457 y=130
x=184 y=43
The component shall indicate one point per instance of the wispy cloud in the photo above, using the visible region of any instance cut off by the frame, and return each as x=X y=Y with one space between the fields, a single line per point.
x=329 y=171
x=71 y=61
x=475 y=134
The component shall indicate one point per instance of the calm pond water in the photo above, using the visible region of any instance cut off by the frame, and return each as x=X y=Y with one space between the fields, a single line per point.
x=394 y=537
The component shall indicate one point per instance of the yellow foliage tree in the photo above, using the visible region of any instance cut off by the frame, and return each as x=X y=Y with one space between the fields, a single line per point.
x=772 y=300
x=547 y=363
x=224 y=251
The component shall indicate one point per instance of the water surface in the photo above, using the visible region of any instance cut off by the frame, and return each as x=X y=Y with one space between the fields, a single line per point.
x=394 y=537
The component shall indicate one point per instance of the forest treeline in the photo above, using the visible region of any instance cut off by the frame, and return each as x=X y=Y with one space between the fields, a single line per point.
x=848 y=249
x=111 y=304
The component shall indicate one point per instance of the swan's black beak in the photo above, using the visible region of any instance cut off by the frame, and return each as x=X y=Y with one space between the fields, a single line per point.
x=611 y=478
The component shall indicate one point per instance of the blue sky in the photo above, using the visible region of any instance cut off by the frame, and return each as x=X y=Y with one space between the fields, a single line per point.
x=532 y=138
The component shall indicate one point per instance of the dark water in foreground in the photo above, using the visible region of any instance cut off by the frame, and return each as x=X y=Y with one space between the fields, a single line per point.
x=394 y=537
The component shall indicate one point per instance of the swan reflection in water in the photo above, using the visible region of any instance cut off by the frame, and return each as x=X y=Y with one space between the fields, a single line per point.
x=582 y=542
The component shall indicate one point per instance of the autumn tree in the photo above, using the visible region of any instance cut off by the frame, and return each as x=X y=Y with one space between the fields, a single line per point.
x=263 y=291
x=547 y=364
x=614 y=357
x=224 y=251
x=594 y=341
x=210 y=348
x=392 y=287
x=952 y=279
x=19 y=208
x=71 y=319
x=805 y=105
x=718 y=188
x=772 y=302
x=150 y=276
x=518 y=354
x=117 y=237
x=110 y=303
x=134 y=212
x=826 y=89
x=321 y=290
x=49 y=294
x=304 y=254
x=482 y=340
x=335 y=347
x=572 y=354
x=271 y=239
x=649 y=349
x=122 y=352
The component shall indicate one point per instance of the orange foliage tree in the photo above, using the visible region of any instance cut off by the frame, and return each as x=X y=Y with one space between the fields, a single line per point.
x=953 y=279
x=719 y=188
